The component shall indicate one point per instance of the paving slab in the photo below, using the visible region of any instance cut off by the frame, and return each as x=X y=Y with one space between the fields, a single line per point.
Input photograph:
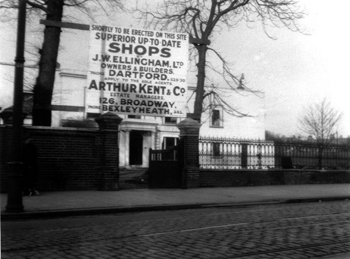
x=157 y=198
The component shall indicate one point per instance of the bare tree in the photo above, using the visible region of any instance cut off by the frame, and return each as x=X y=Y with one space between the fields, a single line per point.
x=52 y=10
x=321 y=121
x=202 y=18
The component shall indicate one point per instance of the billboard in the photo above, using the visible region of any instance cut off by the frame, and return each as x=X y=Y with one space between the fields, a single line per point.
x=137 y=71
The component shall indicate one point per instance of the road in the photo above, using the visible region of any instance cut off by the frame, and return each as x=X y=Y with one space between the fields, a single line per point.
x=303 y=230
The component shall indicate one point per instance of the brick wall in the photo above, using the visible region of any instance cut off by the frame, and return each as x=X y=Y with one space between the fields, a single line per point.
x=227 y=178
x=192 y=161
x=5 y=153
x=68 y=158
x=87 y=159
x=189 y=132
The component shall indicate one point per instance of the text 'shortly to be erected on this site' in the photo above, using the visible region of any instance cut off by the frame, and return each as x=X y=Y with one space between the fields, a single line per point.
x=136 y=71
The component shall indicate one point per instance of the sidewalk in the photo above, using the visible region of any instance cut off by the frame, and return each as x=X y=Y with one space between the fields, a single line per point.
x=70 y=203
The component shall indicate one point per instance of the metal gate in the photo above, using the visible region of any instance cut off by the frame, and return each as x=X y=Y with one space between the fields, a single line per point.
x=164 y=168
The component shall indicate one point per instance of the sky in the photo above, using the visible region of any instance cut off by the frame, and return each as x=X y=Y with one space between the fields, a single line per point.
x=293 y=71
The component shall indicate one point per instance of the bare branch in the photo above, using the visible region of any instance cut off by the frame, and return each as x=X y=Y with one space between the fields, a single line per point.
x=76 y=3
x=231 y=80
x=213 y=98
x=202 y=19
x=37 y=4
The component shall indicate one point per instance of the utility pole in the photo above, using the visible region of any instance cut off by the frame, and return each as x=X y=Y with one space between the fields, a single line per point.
x=14 y=195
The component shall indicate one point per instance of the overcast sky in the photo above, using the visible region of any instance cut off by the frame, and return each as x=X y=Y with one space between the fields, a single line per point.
x=293 y=71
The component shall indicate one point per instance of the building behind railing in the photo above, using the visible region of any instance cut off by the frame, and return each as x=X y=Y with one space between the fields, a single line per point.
x=229 y=153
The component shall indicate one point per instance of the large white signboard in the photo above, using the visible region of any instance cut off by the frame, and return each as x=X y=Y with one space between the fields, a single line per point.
x=136 y=71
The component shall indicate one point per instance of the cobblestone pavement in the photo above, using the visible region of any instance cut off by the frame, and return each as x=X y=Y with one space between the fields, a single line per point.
x=304 y=230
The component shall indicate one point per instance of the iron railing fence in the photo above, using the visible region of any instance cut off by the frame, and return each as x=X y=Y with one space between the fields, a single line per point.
x=306 y=155
x=230 y=153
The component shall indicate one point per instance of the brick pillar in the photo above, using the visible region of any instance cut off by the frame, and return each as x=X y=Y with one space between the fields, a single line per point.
x=108 y=150
x=189 y=133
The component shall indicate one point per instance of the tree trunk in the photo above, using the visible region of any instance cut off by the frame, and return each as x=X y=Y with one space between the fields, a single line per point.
x=198 y=104
x=43 y=88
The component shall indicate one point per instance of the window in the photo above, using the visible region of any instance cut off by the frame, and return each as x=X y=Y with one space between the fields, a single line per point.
x=169 y=142
x=216 y=149
x=216 y=118
x=92 y=116
x=134 y=116
x=170 y=120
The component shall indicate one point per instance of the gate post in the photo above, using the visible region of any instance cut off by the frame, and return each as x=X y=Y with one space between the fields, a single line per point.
x=108 y=151
x=244 y=156
x=189 y=153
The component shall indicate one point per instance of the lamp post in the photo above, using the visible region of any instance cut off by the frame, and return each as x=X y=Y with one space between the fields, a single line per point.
x=14 y=196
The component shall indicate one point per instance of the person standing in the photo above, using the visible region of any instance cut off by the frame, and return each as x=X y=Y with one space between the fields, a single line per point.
x=30 y=155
